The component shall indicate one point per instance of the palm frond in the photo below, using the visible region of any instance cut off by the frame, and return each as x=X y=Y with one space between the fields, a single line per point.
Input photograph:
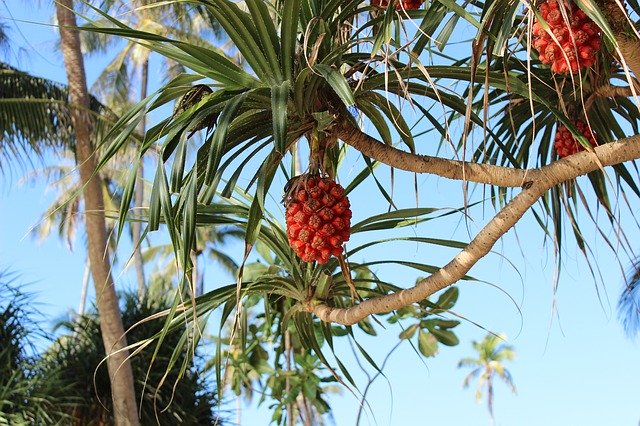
x=629 y=302
x=34 y=116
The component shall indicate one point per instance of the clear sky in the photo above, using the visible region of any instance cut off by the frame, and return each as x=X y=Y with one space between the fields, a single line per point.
x=574 y=364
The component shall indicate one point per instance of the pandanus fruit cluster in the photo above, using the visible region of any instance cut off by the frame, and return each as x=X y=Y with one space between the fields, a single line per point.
x=570 y=42
x=400 y=5
x=566 y=144
x=318 y=217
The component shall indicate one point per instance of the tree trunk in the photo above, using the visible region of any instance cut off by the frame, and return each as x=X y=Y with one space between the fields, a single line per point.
x=490 y=397
x=197 y=283
x=85 y=286
x=138 y=199
x=121 y=377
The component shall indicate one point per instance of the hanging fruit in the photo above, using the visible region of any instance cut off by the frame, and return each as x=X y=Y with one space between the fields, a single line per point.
x=577 y=37
x=318 y=217
x=566 y=144
x=400 y=4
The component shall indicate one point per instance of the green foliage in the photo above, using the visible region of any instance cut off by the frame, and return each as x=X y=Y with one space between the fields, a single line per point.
x=313 y=70
x=431 y=331
x=26 y=395
x=168 y=397
x=35 y=116
x=629 y=302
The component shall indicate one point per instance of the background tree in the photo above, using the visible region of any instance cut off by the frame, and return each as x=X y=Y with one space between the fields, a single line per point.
x=492 y=353
x=180 y=397
x=36 y=117
x=629 y=301
x=120 y=373
x=26 y=396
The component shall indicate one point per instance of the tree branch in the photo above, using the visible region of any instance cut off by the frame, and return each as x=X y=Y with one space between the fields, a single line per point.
x=546 y=177
x=610 y=91
x=452 y=169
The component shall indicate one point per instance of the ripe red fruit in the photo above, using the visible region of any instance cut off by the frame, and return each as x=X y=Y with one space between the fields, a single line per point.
x=566 y=144
x=318 y=217
x=578 y=38
x=400 y=5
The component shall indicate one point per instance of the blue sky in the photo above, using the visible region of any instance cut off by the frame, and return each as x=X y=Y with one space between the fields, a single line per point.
x=574 y=364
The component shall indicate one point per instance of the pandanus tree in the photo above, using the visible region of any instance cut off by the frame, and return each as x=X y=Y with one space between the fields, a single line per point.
x=26 y=395
x=75 y=358
x=541 y=95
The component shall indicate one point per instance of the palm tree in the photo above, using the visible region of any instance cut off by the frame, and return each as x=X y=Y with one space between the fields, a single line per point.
x=492 y=353
x=119 y=366
x=35 y=116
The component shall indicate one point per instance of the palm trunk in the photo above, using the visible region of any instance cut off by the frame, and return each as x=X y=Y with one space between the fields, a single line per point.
x=138 y=199
x=120 y=374
x=490 y=398
x=196 y=281
x=85 y=286
x=287 y=384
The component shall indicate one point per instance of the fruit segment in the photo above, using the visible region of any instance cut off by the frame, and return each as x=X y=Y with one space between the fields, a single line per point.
x=576 y=38
x=318 y=216
x=400 y=5
x=566 y=144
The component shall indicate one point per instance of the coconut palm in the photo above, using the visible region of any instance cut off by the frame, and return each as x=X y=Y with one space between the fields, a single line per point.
x=492 y=353
x=35 y=116
x=39 y=115
x=120 y=373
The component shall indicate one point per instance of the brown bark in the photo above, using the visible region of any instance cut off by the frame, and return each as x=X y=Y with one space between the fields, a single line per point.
x=138 y=201
x=546 y=177
x=120 y=373
x=630 y=51
x=624 y=33
x=452 y=169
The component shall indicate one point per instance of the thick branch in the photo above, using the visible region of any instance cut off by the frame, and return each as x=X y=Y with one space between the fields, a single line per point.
x=452 y=169
x=547 y=177
x=610 y=91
